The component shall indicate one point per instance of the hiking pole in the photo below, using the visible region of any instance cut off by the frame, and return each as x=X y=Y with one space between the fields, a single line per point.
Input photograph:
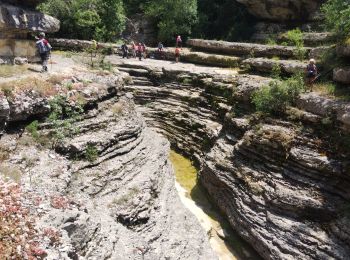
x=51 y=61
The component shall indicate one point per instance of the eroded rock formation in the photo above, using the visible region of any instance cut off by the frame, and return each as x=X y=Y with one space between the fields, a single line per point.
x=120 y=201
x=289 y=10
x=17 y=21
x=283 y=183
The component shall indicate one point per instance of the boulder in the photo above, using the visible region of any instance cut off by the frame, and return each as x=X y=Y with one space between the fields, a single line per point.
x=343 y=50
x=20 y=61
x=16 y=23
x=289 y=10
x=342 y=75
x=16 y=19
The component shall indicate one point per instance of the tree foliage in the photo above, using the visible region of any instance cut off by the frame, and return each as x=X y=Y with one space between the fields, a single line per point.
x=87 y=19
x=173 y=17
x=105 y=19
x=337 y=15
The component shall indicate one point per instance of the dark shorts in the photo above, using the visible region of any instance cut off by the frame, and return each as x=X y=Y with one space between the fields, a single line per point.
x=44 y=56
x=177 y=55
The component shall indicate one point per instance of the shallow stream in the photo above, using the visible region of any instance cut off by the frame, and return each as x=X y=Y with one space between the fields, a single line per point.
x=224 y=241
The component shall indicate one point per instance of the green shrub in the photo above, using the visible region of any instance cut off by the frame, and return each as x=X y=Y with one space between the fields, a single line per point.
x=295 y=38
x=275 y=97
x=276 y=71
x=337 y=17
x=91 y=153
x=32 y=128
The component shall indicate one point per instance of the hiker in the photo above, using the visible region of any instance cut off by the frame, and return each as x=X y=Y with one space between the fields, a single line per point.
x=125 y=51
x=139 y=51
x=144 y=51
x=178 y=41
x=44 y=49
x=161 y=50
x=311 y=73
x=133 y=48
x=177 y=54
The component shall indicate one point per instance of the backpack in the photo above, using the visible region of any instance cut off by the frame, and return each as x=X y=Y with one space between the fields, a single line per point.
x=43 y=46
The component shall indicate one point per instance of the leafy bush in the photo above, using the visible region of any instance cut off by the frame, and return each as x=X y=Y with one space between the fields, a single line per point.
x=32 y=128
x=62 y=117
x=85 y=19
x=173 y=17
x=91 y=153
x=275 y=97
x=337 y=17
x=295 y=38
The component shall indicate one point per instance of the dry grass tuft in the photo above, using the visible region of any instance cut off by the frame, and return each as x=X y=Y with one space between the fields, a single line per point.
x=7 y=71
x=43 y=87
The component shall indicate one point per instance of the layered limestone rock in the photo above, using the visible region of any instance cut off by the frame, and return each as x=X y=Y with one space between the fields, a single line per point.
x=108 y=190
x=282 y=183
x=290 y=10
x=16 y=23
x=238 y=48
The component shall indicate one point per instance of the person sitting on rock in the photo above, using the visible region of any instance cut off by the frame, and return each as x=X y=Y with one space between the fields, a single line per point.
x=311 y=73
x=44 y=49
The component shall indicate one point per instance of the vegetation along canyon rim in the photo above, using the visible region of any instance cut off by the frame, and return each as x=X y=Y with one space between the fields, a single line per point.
x=174 y=129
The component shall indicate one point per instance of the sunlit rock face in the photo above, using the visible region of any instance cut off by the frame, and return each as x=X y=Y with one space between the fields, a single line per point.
x=287 y=10
x=17 y=22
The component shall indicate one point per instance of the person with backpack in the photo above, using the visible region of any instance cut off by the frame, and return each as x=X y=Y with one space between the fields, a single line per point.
x=125 y=51
x=178 y=41
x=311 y=73
x=44 y=49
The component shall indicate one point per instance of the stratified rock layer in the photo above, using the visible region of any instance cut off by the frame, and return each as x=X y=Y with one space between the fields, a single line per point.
x=119 y=204
x=283 y=187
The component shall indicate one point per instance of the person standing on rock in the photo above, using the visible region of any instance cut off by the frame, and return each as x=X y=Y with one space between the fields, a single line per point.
x=133 y=48
x=139 y=51
x=125 y=51
x=178 y=41
x=44 y=49
x=177 y=54
x=311 y=74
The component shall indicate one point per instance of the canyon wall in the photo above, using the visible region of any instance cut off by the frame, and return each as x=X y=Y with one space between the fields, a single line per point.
x=283 y=183
x=98 y=184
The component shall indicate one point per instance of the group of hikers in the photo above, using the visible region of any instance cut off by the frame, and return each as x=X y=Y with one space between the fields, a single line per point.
x=140 y=50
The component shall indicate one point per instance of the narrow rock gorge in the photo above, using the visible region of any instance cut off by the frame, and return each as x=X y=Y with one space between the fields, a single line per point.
x=281 y=182
x=86 y=149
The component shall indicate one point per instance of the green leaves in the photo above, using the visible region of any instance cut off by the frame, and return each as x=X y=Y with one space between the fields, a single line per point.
x=275 y=97
x=174 y=17
x=102 y=20
x=337 y=15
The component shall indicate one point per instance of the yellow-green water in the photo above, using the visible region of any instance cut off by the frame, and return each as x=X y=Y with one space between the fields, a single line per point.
x=195 y=199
